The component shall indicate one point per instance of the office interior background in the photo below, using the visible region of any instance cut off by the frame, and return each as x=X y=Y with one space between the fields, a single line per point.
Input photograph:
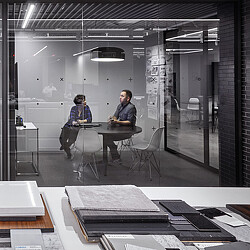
x=187 y=64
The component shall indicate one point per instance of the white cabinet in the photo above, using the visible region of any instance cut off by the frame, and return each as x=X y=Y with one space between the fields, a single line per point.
x=49 y=117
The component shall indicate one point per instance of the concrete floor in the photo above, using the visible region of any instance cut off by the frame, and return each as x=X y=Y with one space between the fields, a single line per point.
x=188 y=138
x=56 y=170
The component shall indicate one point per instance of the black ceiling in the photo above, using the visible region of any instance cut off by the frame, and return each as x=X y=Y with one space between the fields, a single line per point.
x=58 y=18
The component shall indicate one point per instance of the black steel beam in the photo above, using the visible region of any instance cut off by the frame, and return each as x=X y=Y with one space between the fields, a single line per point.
x=5 y=132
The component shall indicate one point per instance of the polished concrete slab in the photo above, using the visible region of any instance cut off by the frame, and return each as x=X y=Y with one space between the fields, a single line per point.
x=56 y=170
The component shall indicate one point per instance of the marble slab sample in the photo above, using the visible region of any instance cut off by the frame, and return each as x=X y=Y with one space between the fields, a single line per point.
x=20 y=198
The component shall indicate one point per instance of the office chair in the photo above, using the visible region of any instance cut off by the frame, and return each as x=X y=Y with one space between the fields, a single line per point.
x=145 y=152
x=180 y=111
x=193 y=106
x=87 y=143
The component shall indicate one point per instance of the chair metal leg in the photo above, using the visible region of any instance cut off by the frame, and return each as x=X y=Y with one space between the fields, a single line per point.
x=146 y=159
x=157 y=166
x=150 y=171
x=94 y=168
x=79 y=170
x=140 y=155
x=81 y=167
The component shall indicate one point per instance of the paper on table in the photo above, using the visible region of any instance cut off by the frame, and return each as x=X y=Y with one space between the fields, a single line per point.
x=201 y=246
x=230 y=220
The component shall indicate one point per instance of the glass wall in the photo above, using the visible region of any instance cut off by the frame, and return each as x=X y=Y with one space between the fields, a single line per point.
x=193 y=86
x=55 y=48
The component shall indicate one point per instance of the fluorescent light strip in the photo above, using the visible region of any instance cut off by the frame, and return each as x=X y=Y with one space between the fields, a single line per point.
x=54 y=37
x=195 y=51
x=186 y=52
x=97 y=40
x=156 y=20
x=40 y=50
x=109 y=36
x=159 y=29
x=27 y=18
x=190 y=34
x=181 y=49
x=85 y=51
x=139 y=29
x=85 y=40
x=195 y=40
x=138 y=48
x=114 y=36
x=107 y=29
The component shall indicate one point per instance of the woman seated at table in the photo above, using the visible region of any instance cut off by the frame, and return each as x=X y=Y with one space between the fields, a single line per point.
x=79 y=114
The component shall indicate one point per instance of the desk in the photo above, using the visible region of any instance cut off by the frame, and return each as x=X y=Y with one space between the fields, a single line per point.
x=29 y=126
x=70 y=232
x=116 y=131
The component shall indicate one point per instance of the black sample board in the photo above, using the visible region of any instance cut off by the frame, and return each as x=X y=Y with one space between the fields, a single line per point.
x=202 y=223
x=211 y=212
x=94 y=216
x=177 y=207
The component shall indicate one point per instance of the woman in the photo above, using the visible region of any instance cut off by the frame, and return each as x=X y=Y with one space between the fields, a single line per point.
x=79 y=114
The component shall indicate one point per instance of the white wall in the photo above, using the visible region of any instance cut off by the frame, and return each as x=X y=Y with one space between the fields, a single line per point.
x=190 y=77
x=79 y=73
x=100 y=82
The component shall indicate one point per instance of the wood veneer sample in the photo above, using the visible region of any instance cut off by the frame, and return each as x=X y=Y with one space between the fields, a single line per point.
x=42 y=222
x=241 y=209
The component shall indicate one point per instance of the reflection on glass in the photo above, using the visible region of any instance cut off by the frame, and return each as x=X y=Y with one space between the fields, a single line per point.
x=53 y=51
x=184 y=98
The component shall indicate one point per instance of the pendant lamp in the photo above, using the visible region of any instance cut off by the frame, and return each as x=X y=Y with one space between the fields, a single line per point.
x=107 y=54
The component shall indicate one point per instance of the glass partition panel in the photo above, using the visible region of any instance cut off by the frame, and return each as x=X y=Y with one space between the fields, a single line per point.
x=47 y=75
x=57 y=48
x=186 y=87
x=71 y=64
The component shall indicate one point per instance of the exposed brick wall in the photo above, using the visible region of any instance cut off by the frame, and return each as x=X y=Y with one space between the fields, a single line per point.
x=245 y=10
x=226 y=114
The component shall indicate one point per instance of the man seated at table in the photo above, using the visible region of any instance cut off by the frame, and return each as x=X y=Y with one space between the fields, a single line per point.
x=79 y=114
x=125 y=115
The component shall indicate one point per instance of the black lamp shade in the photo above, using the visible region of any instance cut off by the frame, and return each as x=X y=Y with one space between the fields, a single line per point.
x=107 y=54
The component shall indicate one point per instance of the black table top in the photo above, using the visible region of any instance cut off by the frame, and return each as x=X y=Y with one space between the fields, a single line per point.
x=116 y=129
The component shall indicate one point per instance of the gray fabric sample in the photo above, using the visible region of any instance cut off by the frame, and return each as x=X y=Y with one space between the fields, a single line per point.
x=109 y=197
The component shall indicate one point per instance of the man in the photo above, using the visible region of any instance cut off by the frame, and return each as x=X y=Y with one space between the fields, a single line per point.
x=79 y=114
x=125 y=115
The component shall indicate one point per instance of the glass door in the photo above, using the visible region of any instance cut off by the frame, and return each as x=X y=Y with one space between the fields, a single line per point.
x=192 y=95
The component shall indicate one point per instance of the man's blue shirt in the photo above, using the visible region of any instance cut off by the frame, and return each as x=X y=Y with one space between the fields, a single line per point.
x=126 y=112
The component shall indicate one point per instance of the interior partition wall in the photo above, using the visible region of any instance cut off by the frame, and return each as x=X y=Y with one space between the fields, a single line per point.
x=52 y=63
x=193 y=92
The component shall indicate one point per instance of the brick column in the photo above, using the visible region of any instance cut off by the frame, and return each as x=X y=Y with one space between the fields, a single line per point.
x=226 y=80
x=245 y=52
